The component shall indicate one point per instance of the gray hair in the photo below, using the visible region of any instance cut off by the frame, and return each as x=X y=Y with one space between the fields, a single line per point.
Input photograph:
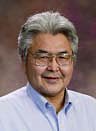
x=46 y=22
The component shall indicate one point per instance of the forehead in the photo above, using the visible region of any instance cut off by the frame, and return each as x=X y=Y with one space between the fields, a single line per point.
x=51 y=43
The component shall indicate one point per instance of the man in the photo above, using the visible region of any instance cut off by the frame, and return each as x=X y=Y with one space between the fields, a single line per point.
x=48 y=45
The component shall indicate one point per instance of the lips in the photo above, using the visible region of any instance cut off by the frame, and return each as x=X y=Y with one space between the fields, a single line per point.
x=51 y=76
x=51 y=79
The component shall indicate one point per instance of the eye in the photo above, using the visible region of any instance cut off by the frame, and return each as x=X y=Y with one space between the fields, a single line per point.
x=64 y=56
x=42 y=56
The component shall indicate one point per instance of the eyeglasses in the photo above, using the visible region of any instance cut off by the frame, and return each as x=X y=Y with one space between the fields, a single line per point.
x=43 y=59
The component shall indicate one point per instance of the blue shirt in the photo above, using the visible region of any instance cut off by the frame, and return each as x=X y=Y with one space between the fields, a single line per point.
x=26 y=110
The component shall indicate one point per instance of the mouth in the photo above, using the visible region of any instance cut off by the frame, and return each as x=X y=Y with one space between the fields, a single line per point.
x=51 y=79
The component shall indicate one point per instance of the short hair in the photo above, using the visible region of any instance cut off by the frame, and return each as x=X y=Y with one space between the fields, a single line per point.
x=46 y=22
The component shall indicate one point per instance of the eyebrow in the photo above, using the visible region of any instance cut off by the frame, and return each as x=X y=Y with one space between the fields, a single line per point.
x=41 y=51
x=44 y=51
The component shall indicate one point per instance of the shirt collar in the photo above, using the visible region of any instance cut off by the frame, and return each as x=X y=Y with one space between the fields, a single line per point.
x=38 y=99
x=42 y=102
x=68 y=101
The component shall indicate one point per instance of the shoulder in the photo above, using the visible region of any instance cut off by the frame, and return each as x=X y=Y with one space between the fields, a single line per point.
x=13 y=97
x=74 y=93
x=13 y=103
x=84 y=107
x=82 y=99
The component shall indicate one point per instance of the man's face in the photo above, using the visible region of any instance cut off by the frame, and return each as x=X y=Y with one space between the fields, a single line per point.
x=52 y=79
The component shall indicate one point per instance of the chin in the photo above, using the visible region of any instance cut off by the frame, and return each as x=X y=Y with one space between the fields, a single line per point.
x=51 y=91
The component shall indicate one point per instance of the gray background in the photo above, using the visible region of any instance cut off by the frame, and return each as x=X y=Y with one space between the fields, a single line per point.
x=13 y=14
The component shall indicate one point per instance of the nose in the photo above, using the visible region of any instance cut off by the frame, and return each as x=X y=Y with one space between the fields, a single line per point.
x=53 y=65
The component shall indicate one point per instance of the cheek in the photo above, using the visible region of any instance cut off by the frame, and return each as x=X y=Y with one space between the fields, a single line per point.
x=34 y=75
x=67 y=72
x=67 y=75
x=37 y=76
x=38 y=71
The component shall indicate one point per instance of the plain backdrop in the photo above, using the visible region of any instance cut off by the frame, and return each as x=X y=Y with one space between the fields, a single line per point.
x=13 y=14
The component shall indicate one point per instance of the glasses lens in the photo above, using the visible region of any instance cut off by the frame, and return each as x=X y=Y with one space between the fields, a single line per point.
x=64 y=59
x=41 y=60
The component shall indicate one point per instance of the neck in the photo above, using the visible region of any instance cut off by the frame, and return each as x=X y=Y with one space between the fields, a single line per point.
x=57 y=101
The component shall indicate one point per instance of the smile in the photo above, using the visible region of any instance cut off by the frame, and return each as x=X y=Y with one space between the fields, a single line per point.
x=51 y=77
x=51 y=80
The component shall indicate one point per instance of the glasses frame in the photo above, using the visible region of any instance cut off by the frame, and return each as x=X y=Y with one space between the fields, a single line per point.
x=50 y=56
